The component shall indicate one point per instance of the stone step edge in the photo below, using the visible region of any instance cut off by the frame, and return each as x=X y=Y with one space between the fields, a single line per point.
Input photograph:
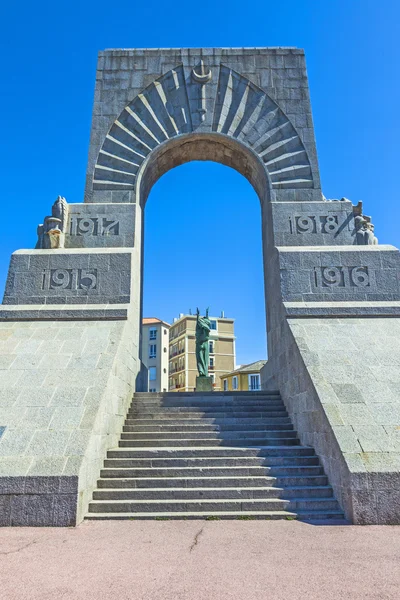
x=106 y=470
x=220 y=459
x=196 y=448
x=212 y=501
x=231 y=431
x=331 y=515
x=237 y=478
x=225 y=489
x=200 y=405
x=205 y=394
x=240 y=448
x=207 y=440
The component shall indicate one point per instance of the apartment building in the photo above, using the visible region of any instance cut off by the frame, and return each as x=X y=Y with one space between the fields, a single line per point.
x=244 y=378
x=155 y=342
x=182 y=352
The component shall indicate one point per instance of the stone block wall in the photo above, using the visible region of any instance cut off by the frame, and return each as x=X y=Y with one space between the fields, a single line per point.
x=65 y=387
x=341 y=381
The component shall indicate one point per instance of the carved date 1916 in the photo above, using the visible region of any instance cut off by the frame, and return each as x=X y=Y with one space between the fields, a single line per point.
x=69 y=279
x=342 y=277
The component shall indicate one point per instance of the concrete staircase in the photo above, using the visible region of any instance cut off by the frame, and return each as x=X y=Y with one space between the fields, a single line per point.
x=218 y=455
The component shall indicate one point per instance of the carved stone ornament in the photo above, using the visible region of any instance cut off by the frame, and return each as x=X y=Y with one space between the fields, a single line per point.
x=364 y=231
x=51 y=234
x=202 y=76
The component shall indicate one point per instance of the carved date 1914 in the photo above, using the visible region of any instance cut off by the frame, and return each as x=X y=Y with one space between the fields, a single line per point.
x=69 y=279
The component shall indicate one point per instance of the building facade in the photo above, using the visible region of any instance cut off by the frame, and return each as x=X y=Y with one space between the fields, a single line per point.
x=244 y=378
x=182 y=352
x=155 y=341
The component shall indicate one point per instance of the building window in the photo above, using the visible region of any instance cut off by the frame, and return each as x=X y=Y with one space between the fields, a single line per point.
x=225 y=385
x=254 y=383
x=152 y=390
x=152 y=334
x=165 y=349
x=234 y=383
x=165 y=370
x=211 y=347
x=165 y=332
x=211 y=361
x=213 y=324
x=152 y=373
x=212 y=377
x=152 y=350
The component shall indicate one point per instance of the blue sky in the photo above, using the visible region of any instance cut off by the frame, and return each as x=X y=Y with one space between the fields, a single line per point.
x=49 y=53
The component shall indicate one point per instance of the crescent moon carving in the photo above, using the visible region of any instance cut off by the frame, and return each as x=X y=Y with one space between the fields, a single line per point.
x=202 y=77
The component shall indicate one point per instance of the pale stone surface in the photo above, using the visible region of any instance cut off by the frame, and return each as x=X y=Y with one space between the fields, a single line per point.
x=342 y=394
x=56 y=434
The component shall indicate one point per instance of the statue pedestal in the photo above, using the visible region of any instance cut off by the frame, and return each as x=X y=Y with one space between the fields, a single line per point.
x=204 y=384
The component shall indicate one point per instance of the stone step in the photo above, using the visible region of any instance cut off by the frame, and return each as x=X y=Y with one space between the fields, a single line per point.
x=331 y=515
x=207 y=428
x=179 y=424
x=223 y=471
x=190 y=411
x=234 y=493
x=210 y=435
x=219 y=482
x=221 y=394
x=202 y=404
x=250 y=461
x=171 y=506
x=166 y=443
x=216 y=452
x=202 y=415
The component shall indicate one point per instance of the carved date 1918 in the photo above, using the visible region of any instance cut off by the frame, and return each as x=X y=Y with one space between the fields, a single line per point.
x=314 y=224
x=342 y=277
x=69 y=279
x=93 y=226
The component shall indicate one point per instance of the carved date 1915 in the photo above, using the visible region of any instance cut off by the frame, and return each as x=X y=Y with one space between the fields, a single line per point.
x=69 y=279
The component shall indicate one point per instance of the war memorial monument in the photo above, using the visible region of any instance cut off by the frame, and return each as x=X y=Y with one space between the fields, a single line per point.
x=71 y=314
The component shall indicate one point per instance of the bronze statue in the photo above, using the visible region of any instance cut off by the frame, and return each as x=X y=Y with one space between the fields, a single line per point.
x=203 y=327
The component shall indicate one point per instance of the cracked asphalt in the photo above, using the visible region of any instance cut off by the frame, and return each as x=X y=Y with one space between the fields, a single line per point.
x=207 y=560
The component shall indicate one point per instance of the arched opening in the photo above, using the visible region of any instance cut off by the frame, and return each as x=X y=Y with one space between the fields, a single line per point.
x=203 y=245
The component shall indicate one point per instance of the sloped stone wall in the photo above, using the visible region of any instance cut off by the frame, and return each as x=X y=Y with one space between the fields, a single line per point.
x=65 y=387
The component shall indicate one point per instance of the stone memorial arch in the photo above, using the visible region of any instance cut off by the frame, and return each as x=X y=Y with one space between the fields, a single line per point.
x=70 y=320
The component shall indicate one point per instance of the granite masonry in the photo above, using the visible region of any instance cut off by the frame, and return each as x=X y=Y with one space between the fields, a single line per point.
x=70 y=320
